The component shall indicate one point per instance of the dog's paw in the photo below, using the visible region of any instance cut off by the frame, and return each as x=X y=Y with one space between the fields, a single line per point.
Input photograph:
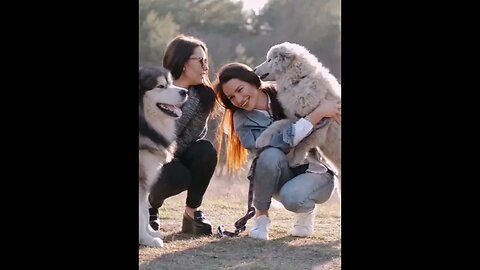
x=154 y=233
x=293 y=164
x=295 y=159
x=157 y=242
x=263 y=140
x=154 y=242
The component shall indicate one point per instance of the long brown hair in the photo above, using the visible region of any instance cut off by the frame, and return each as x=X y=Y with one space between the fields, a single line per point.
x=177 y=54
x=236 y=154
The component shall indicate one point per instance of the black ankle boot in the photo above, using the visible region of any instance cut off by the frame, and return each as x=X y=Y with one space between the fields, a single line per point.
x=154 y=220
x=198 y=225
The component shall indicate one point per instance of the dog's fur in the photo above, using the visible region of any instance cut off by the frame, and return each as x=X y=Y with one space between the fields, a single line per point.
x=302 y=84
x=158 y=101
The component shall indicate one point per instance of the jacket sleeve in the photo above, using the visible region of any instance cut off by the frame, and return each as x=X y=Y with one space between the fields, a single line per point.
x=249 y=126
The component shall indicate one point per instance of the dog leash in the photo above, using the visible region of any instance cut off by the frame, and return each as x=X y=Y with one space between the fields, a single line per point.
x=240 y=225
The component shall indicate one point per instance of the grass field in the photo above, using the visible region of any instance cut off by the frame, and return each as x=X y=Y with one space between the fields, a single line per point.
x=224 y=203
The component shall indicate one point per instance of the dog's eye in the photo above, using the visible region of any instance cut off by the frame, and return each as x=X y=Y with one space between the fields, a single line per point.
x=161 y=86
x=269 y=60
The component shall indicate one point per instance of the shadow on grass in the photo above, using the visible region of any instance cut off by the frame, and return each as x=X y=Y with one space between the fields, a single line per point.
x=246 y=253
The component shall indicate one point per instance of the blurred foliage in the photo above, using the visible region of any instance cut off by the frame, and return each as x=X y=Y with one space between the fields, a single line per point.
x=232 y=35
x=156 y=31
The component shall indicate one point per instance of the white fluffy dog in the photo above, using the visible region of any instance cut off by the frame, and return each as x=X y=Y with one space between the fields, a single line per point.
x=302 y=84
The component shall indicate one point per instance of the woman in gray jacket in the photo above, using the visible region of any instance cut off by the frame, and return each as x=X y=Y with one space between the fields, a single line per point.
x=250 y=107
x=194 y=164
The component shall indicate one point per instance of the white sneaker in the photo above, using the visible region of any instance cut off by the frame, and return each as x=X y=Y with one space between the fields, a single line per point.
x=261 y=228
x=304 y=224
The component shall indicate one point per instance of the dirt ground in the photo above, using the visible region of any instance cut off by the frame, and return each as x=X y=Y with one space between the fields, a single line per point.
x=224 y=203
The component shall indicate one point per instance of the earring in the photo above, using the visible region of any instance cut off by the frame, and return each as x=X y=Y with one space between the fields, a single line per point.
x=183 y=69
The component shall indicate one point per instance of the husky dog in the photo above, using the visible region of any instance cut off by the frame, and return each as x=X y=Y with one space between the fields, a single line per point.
x=302 y=84
x=159 y=102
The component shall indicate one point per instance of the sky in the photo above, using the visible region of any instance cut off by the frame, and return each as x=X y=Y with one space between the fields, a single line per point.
x=256 y=5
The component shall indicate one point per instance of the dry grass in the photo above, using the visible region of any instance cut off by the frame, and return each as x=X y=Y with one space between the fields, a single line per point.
x=224 y=203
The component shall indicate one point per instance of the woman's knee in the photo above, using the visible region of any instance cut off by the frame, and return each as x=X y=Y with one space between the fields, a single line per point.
x=204 y=152
x=174 y=178
x=326 y=191
x=303 y=192
x=271 y=159
x=291 y=201
x=204 y=146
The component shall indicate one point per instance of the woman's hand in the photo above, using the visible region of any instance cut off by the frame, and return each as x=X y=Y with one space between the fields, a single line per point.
x=328 y=108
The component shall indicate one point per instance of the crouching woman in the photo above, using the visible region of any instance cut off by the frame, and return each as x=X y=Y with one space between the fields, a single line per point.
x=250 y=107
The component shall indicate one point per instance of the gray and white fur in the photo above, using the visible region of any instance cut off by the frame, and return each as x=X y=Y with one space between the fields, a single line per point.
x=159 y=101
x=302 y=84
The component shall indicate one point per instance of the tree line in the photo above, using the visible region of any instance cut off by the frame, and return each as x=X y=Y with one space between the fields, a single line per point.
x=236 y=36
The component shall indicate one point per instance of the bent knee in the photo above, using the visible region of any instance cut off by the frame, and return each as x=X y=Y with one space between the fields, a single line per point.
x=203 y=147
x=206 y=153
x=292 y=203
x=271 y=158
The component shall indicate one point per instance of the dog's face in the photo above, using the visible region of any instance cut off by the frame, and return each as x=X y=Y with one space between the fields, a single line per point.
x=282 y=57
x=158 y=96
x=278 y=59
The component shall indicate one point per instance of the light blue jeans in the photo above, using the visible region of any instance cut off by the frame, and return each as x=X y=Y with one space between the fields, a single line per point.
x=274 y=178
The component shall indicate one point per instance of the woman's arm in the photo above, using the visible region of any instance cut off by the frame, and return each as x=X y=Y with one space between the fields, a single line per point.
x=329 y=108
x=249 y=126
x=304 y=126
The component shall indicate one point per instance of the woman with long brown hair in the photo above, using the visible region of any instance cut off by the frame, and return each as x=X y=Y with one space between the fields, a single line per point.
x=250 y=107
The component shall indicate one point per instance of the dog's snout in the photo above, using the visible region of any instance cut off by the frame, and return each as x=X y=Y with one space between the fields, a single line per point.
x=183 y=93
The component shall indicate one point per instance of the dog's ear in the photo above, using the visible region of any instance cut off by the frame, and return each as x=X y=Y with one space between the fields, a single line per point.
x=286 y=55
x=281 y=57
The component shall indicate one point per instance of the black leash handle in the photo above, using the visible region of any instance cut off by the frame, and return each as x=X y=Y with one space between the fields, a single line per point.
x=240 y=225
